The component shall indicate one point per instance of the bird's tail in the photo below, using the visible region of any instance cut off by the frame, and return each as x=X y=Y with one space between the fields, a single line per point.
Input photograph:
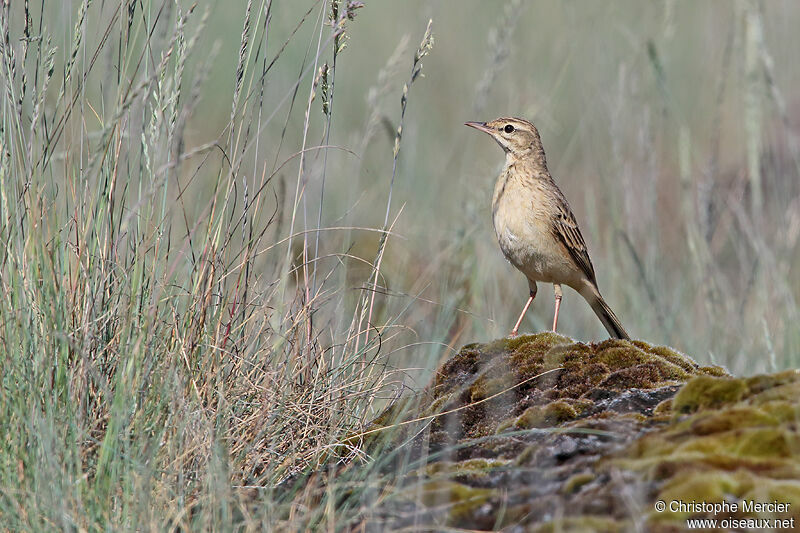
x=605 y=314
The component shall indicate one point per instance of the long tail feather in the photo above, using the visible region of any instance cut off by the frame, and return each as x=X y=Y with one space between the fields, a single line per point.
x=605 y=314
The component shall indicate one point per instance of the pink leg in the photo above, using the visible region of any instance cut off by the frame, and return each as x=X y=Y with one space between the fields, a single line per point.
x=522 y=315
x=559 y=294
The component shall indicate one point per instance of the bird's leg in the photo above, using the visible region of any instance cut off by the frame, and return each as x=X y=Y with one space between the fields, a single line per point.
x=559 y=294
x=524 y=310
x=521 y=316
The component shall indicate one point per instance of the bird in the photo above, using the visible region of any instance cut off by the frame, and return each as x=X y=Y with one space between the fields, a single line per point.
x=535 y=226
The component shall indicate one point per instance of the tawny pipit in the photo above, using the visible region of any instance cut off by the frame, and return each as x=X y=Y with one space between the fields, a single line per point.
x=535 y=226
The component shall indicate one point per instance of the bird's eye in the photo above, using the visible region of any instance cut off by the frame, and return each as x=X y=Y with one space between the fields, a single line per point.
x=509 y=128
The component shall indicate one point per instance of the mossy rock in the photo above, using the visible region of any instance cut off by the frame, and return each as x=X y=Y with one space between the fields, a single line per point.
x=729 y=438
x=457 y=502
x=577 y=481
x=708 y=391
x=469 y=466
x=486 y=385
x=551 y=414
x=553 y=435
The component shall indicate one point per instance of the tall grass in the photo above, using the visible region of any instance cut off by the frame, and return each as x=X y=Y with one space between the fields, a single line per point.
x=209 y=283
x=167 y=356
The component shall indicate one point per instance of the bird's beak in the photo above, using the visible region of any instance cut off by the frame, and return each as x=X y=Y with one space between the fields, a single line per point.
x=479 y=126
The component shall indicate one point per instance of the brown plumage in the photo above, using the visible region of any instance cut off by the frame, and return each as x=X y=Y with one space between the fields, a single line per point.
x=535 y=227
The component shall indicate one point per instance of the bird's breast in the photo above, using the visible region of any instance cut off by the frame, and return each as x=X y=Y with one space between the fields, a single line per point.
x=521 y=223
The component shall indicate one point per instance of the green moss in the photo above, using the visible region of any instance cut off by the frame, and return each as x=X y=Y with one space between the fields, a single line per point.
x=548 y=339
x=461 y=499
x=471 y=346
x=504 y=425
x=674 y=357
x=766 y=442
x=548 y=415
x=761 y=383
x=781 y=389
x=747 y=443
x=691 y=485
x=664 y=408
x=617 y=357
x=782 y=411
x=581 y=405
x=482 y=464
x=730 y=419
x=714 y=371
x=711 y=486
x=740 y=440
x=539 y=342
x=576 y=482
x=436 y=405
x=639 y=365
x=527 y=360
x=469 y=466
x=568 y=356
x=525 y=455
x=484 y=387
x=768 y=490
x=576 y=382
x=648 y=375
x=708 y=391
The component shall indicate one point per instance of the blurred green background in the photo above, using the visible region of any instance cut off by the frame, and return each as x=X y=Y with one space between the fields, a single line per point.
x=670 y=126
x=658 y=120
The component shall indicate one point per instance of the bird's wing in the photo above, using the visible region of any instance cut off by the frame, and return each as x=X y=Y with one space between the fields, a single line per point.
x=566 y=230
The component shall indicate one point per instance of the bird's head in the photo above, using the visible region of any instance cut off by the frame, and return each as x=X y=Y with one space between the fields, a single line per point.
x=515 y=136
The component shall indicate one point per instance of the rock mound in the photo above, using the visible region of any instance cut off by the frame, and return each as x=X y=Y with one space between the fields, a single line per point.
x=540 y=433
